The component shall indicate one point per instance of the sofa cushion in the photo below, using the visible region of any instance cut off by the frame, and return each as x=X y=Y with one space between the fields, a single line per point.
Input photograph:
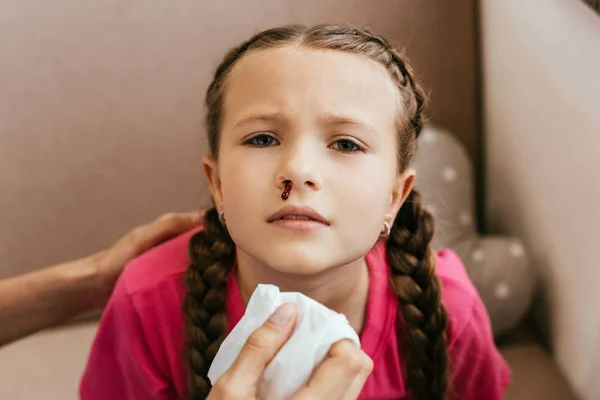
x=47 y=365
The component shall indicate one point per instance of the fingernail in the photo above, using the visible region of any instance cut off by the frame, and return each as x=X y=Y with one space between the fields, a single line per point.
x=282 y=315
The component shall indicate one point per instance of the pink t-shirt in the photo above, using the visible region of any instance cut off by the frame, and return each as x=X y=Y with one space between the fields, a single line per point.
x=139 y=354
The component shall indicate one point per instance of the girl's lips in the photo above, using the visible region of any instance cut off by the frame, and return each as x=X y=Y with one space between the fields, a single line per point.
x=296 y=216
x=298 y=224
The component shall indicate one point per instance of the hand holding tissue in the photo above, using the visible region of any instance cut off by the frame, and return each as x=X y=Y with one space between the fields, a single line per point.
x=317 y=328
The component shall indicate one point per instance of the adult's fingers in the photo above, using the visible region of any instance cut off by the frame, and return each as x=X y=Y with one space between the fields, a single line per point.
x=144 y=237
x=260 y=348
x=164 y=227
x=359 y=382
x=341 y=375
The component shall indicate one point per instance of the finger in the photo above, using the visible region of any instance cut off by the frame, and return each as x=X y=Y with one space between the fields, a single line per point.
x=358 y=383
x=260 y=348
x=168 y=226
x=144 y=237
x=341 y=375
x=359 y=359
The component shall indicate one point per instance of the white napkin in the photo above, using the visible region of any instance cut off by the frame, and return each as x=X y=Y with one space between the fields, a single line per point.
x=317 y=328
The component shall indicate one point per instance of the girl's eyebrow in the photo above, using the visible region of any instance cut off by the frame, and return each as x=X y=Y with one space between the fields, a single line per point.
x=261 y=117
x=326 y=119
x=333 y=119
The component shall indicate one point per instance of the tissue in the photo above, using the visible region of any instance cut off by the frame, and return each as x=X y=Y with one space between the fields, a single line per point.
x=317 y=328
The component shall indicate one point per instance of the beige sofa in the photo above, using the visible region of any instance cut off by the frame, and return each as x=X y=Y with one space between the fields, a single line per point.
x=101 y=117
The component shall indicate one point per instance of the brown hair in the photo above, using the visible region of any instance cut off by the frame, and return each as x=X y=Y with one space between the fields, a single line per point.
x=408 y=249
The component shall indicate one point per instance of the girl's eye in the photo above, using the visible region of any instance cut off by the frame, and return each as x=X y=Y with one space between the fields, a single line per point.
x=262 y=140
x=346 y=146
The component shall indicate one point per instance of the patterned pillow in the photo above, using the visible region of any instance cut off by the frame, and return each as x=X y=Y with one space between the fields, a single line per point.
x=498 y=266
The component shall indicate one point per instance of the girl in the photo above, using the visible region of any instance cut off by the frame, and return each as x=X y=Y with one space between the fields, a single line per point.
x=311 y=134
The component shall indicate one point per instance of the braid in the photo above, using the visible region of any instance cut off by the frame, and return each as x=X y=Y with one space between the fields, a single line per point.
x=412 y=97
x=211 y=252
x=418 y=290
x=403 y=74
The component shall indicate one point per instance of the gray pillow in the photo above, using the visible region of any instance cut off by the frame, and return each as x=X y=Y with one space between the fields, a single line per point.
x=498 y=266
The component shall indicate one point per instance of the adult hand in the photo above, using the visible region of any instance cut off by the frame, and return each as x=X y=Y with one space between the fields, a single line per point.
x=340 y=376
x=110 y=262
x=53 y=295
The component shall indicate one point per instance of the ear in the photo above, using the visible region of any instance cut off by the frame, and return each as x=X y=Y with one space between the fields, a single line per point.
x=402 y=188
x=211 y=173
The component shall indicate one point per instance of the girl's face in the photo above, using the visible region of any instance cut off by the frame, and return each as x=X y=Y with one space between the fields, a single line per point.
x=326 y=121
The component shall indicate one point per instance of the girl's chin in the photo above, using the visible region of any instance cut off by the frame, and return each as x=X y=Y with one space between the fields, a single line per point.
x=299 y=266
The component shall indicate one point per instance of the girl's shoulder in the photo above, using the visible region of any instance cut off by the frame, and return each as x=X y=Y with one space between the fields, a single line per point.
x=474 y=355
x=459 y=295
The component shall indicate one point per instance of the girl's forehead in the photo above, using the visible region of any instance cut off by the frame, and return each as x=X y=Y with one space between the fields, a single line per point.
x=301 y=80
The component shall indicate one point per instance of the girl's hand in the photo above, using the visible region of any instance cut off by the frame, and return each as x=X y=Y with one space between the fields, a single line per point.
x=340 y=376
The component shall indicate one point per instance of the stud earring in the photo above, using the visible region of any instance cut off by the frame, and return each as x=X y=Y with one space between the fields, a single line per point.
x=222 y=217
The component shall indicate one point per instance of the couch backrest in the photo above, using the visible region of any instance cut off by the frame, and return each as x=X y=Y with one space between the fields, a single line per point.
x=542 y=91
x=101 y=107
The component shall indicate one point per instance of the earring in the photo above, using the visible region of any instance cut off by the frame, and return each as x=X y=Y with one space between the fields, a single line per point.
x=222 y=217
x=387 y=229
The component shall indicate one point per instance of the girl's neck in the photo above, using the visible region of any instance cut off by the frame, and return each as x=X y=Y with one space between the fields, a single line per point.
x=344 y=289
